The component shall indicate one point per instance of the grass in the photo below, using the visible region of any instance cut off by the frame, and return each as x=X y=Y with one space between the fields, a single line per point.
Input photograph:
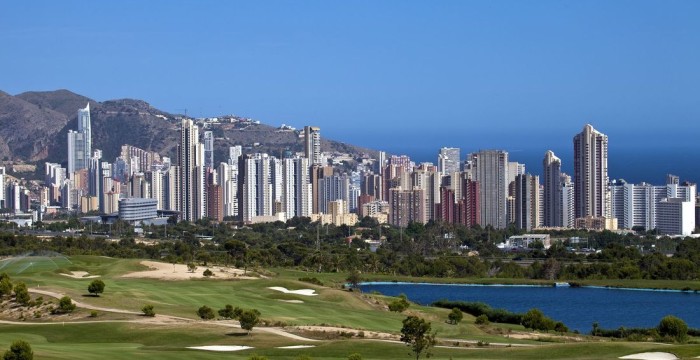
x=332 y=307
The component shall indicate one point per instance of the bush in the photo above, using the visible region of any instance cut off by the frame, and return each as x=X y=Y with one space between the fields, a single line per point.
x=205 y=313
x=148 y=310
x=5 y=285
x=477 y=308
x=354 y=356
x=93 y=314
x=22 y=294
x=208 y=273
x=535 y=319
x=400 y=304
x=65 y=305
x=19 y=350
x=673 y=328
x=311 y=280
x=482 y=320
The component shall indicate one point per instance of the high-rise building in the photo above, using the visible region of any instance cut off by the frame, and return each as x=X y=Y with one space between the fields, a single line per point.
x=552 y=190
x=312 y=144
x=331 y=188
x=406 y=206
x=490 y=169
x=191 y=161
x=567 y=201
x=592 y=197
x=527 y=201
x=234 y=152
x=429 y=180
x=296 y=188
x=80 y=142
x=676 y=216
x=256 y=187
x=228 y=179
x=209 y=149
x=448 y=161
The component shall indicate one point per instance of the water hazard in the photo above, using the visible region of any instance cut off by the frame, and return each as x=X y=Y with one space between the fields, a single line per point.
x=578 y=308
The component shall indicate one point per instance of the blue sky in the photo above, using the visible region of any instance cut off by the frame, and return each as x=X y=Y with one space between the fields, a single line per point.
x=406 y=76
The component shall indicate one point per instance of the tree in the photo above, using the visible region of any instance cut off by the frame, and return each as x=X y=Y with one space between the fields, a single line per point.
x=96 y=287
x=249 y=319
x=673 y=328
x=416 y=334
x=400 y=304
x=19 y=350
x=482 y=319
x=148 y=310
x=354 y=279
x=535 y=319
x=22 y=294
x=65 y=305
x=455 y=316
x=560 y=327
x=205 y=313
x=5 y=285
x=191 y=267
x=226 y=312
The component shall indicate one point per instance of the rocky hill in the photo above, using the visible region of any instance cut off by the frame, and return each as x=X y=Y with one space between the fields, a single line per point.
x=34 y=127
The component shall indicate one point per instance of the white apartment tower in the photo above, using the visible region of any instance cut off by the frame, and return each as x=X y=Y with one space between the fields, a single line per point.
x=448 y=161
x=296 y=188
x=80 y=142
x=191 y=161
x=208 y=149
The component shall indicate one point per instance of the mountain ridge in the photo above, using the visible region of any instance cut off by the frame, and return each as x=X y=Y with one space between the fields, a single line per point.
x=34 y=127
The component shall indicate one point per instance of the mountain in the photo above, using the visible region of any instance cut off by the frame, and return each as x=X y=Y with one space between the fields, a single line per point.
x=34 y=127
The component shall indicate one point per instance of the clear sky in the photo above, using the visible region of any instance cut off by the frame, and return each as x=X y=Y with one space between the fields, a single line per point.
x=406 y=76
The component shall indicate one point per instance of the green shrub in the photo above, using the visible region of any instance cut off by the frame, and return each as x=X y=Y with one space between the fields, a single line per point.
x=482 y=320
x=673 y=328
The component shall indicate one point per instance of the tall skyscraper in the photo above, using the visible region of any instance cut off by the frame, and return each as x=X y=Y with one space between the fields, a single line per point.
x=191 y=159
x=296 y=188
x=592 y=197
x=552 y=190
x=527 y=201
x=490 y=170
x=448 y=161
x=80 y=142
x=312 y=144
x=208 y=149
x=256 y=187
x=567 y=201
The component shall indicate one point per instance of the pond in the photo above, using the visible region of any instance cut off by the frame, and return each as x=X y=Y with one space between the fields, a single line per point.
x=578 y=308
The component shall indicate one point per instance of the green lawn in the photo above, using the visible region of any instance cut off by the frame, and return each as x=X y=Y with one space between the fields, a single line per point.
x=332 y=306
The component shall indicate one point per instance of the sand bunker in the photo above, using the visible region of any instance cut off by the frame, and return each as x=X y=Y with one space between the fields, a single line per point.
x=305 y=292
x=296 y=347
x=166 y=271
x=293 y=301
x=220 y=348
x=80 y=275
x=651 y=356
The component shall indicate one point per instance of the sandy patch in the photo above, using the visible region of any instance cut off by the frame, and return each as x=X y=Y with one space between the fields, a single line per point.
x=304 y=292
x=166 y=271
x=293 y=301
x=220 y=348
x=296 y=347
x=651 y=356
x=80 y=275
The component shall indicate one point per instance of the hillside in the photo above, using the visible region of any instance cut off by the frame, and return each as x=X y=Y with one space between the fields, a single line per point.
x=34 y=127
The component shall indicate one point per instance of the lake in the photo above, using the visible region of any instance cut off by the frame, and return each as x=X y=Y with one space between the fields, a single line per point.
x=578 y=308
